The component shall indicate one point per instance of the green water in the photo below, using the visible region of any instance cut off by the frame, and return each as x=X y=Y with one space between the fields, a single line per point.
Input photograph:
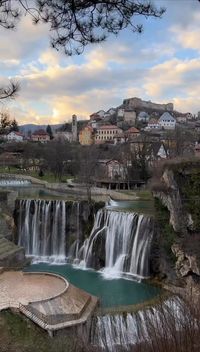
x=112 y=293
x=138 y=205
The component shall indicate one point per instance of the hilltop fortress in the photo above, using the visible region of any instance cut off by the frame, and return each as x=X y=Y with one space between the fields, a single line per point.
x=139 y=104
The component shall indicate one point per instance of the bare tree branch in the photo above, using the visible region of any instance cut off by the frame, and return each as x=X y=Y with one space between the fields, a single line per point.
x=76 y=23
x=10 y=91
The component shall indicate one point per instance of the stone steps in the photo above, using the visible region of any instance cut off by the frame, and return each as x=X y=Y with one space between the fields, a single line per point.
x=32 y=316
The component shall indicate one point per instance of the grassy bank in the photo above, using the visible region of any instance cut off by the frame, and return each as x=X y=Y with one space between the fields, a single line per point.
x=19 y=334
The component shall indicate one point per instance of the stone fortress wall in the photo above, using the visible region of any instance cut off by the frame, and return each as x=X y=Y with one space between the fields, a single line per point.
x=137 y=103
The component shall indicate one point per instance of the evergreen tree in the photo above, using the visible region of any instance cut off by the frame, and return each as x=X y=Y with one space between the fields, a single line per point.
x=49 y=131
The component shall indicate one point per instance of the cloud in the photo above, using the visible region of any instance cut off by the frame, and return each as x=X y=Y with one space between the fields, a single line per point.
x=177 y=81
x=23 y=42
x=188 y=36
x=157 y=66
x=85 y=88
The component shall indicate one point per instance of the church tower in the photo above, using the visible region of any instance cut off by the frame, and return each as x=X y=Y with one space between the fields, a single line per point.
x=74 y=128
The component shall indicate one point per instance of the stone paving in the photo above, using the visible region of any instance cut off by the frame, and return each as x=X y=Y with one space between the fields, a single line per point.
x=68 y=306
x=25 y=288
x=47 y=299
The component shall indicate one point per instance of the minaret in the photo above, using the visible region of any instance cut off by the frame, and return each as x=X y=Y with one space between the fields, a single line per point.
x=74 y=128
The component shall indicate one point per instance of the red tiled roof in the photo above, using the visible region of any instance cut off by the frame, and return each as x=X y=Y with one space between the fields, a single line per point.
x=133 y=130
x=17 y=133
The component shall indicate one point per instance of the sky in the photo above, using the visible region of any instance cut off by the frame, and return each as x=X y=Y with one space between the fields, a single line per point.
x=162 y=65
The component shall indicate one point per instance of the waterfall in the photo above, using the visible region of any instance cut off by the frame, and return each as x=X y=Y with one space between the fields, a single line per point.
x=121 y=331
x=51 y=231
x=42 y=229
x=127 y=243
x=14 y=183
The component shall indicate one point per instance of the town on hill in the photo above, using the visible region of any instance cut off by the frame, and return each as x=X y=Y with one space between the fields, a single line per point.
x=117 y=148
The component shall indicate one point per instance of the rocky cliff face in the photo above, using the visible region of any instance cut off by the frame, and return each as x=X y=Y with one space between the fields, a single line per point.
x=10 y=254
x=171 y=199
x=177 y=198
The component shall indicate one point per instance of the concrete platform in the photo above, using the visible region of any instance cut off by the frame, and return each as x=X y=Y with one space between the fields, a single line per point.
x=47 y=299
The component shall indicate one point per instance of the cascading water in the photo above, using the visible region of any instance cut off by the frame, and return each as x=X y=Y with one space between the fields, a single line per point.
x=14 y=183
x=42 y=229
x=127 y=243
x=121 y=331
x=124 y=237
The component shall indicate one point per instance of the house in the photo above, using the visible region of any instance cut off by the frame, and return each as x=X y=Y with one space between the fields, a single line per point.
x=86 y=136
x=167 y=121
x=130 y=116
x=120 y=112
x=120 y=138
x=106 y=133
x=63 y=136
x=95 y=117
x=115 y=170
x=153 y=124
x=40 y=136
x=15 y=136
x=143 y=116
x=95 y=123
x=181 y=119
x=99 y=114
x=156 y=151
x=132 y=133
x=111 y=169
x=189 y=116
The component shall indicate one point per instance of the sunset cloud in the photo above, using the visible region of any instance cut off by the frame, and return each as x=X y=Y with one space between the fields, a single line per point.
x=163 y=64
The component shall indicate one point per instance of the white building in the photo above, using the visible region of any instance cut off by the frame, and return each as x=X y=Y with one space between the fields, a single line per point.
x=15 y=136
x=106 y=133
x=167 y=121
x=153 y=124
x=120 y=112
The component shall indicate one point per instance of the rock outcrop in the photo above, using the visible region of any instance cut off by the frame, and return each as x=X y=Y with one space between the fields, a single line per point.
x=11 y=255
x=177 y=196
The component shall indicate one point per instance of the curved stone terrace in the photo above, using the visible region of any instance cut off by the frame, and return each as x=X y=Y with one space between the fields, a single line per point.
x=47 y=299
